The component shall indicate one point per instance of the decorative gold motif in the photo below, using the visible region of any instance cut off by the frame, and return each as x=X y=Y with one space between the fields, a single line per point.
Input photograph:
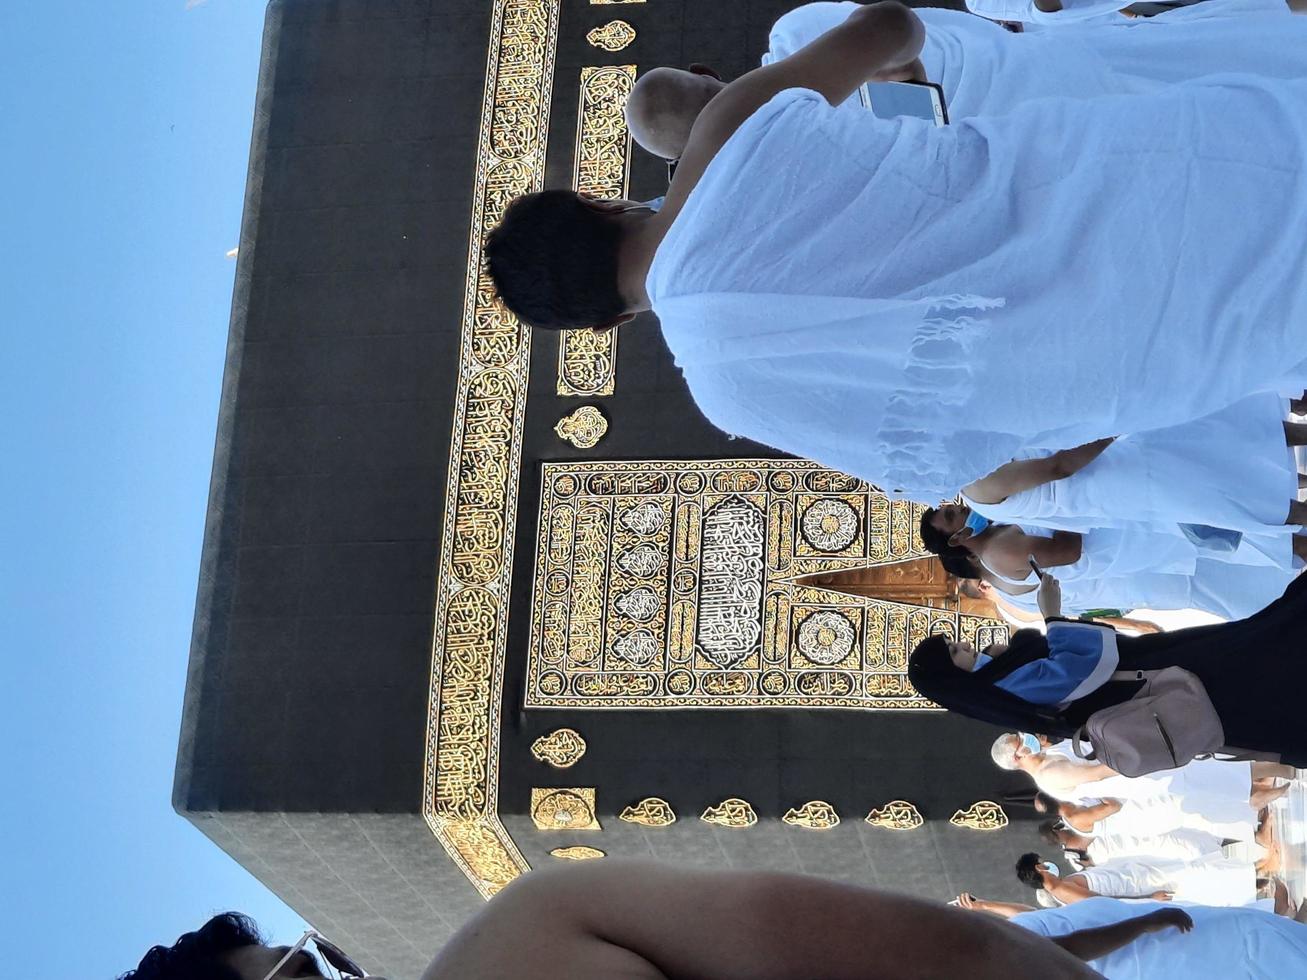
x=561 y=748
x=985 y=815
x=583 y=428
x=678 y=584
x=462 y=753
x=734 y=813
x=649 y=812
x=613 y=36
x=814 y=815
x=564 y=809
x=896 y=815
x=587 y=359
x=579 y=852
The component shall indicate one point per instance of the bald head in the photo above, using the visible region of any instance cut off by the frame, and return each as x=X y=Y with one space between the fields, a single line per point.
x=664 y=104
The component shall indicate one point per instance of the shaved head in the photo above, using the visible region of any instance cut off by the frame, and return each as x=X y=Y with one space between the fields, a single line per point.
x=664 y=104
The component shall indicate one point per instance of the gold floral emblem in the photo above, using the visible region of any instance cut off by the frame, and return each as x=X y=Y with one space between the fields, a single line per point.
x=814 y=815
x=583 y=428
x=561 y=748
x=649 y=812
x=578 y=853
x=734 y=813
x=985 y=815
x=896 y=815
x=564 y=809
x=613 y=36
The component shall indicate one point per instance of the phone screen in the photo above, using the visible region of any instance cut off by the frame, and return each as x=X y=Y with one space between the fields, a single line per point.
x=890 y=99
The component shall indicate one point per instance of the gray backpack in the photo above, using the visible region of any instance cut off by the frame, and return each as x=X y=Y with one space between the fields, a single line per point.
x=1169 y=722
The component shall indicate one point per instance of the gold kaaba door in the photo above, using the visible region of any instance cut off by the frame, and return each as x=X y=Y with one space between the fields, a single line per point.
x=690 y=584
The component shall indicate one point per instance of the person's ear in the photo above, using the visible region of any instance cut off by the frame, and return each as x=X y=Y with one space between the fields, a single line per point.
x=616 y=321
x=959 y=537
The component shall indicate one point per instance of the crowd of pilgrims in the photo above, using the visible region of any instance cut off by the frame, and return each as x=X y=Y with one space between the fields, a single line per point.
x=1077 y=315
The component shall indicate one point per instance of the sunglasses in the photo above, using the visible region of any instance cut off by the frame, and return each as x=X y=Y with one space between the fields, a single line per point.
x=328 y=951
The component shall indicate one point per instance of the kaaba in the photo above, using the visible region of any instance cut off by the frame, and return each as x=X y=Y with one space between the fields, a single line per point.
x=476 y=600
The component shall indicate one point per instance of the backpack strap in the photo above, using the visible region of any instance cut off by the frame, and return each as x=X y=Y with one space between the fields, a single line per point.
x=1080 y=739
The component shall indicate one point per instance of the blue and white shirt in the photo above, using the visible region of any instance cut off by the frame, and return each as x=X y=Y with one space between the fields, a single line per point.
x=1081 y=659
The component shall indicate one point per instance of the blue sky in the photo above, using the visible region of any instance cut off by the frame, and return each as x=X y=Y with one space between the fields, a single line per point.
x=126 y=130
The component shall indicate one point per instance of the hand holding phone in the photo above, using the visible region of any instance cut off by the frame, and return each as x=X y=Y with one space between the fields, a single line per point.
x=1050 y=594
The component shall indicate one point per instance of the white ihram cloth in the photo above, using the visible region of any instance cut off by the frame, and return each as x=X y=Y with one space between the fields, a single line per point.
x=1168 y=812
x=1215 y=791
x=1225 y=944
x=976 y=62
x=1164 y=591
x=1079 y=15
x=1231 y=469
x=847 y=288
x=1211 y=880
x=1174 y=845
x=1142 y=567
x=986 y=70
x=1231 y=591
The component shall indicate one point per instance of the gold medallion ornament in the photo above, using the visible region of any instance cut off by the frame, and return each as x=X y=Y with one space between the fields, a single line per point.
x=896 y=815
x=583 y=428
x=578 y=853
x=613 y=36
x=734 y=813
x=985 y=815
x=461 y=779
x=587 y=359
x=814 y=815
x=561 y=748
x=649 y=812
x=564 y=809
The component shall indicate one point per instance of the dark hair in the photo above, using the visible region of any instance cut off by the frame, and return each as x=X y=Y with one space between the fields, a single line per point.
x=1048 y=833
x=553 y=260
x=1028 y=870
x=935 y=540
x=196 y=955
x=960 y=563
x=957 y=560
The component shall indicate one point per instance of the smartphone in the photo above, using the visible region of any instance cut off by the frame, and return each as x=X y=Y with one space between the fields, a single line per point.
x=925 y=100
x=1034 y=567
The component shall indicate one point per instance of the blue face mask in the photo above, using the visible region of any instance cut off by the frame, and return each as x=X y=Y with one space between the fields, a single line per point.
x=1031 y=743
x=976 y=523
x=1051 y=868
x=981 y=660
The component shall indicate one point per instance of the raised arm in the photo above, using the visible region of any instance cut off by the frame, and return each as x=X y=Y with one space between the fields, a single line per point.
x=610 y=918
x=1004 y=910
x=877 y=42
x=1025 y=474
x=1010 y=550
x=1069 y=889
x=1090 y=944
x=1103 y=808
